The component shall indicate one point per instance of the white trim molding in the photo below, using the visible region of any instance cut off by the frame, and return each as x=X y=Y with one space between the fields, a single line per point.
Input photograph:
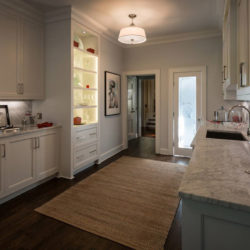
x=171 y=72
x=155 y=72
x=24 y=9
x=179 y=38
x=68 y=12
x=113 y=151
x=165 y=151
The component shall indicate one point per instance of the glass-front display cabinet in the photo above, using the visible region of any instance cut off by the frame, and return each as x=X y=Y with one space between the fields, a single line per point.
x=85 y=78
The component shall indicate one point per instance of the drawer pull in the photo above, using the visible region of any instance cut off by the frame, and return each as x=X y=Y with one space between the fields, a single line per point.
x=80 y=138
x=93 y=151
x=92 y=134
x=4 y=151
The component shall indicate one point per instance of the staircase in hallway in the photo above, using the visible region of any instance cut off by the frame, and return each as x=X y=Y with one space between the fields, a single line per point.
x=150 y=125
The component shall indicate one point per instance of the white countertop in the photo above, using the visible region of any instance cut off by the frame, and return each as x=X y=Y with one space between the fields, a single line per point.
x=216 y=173
x=26 y=130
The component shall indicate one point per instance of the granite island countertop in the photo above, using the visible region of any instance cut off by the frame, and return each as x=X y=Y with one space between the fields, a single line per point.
x=218 y=170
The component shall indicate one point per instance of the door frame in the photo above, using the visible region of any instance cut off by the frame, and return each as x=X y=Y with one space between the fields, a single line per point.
x=172 y=71
x=156 y=73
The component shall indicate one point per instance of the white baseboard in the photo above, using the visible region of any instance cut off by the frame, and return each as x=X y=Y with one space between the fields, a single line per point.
x=110 y=153
x=23 y=190
x=165 y=151
x=84 y=167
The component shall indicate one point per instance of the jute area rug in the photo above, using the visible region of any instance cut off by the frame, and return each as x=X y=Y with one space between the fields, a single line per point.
x=131 y=201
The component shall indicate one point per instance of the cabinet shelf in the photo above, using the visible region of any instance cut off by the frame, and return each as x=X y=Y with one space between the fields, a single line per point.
x=82 y=88
x=85 y=107
x=86 y=53
x=86 y=70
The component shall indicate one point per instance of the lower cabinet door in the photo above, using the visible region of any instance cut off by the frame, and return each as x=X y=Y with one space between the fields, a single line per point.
x=18 y=162
x=47 y=155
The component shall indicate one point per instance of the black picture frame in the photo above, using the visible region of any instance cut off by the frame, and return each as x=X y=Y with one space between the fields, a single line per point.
x=112 y=101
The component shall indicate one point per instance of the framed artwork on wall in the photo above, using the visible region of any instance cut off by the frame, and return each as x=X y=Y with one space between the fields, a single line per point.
x=112 y=94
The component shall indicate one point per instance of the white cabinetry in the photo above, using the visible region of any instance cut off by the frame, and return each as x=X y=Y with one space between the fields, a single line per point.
x=21 y=61
x=229 y=51
x=18 y=163
x=243 y=35
x=214 y=226
x=236 y=37
x=47 y=154
x=85 y=146
x=26 y=159
x=32 y=63
x=72 y=80
x=9 y=52
x=85 y=97
x=242 y=42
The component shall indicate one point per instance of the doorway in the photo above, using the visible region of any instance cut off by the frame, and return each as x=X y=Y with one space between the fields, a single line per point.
x=188 y=107
x=141 y=108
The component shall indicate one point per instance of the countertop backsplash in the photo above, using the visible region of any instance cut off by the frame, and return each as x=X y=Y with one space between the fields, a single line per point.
x=17 y=110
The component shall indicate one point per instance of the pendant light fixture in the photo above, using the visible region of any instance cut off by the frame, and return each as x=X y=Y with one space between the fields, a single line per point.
x=132 y=34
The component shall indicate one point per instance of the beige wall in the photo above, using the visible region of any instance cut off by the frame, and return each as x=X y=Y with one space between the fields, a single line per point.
x=180 y=54
x=111 y=57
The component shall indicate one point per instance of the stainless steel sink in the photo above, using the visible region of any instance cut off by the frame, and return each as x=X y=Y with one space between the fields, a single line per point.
x=226 y=135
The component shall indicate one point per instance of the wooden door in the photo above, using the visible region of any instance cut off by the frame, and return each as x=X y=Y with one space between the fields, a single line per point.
x=32 y=60
x=47 y=155
x=19 y=162
x=9 y=55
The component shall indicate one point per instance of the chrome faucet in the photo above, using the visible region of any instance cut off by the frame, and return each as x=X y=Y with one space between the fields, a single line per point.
x=243 y=107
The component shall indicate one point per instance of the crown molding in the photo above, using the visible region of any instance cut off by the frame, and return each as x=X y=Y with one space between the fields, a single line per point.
x=179 y=38
x=58 y=15
x=24 y=9
x=94 y=26
x=69 y=12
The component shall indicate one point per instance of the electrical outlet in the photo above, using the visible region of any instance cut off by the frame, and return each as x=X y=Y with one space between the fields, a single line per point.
x=39 y=116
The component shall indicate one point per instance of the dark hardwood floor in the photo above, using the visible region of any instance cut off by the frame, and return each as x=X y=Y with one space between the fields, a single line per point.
x=23 y=228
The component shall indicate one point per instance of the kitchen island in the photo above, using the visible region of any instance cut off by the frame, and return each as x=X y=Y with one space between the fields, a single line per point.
x=215 y=192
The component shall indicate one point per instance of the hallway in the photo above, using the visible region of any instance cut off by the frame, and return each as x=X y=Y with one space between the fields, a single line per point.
x=144 y=147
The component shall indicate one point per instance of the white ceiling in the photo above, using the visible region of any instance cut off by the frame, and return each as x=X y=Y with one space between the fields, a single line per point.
x=158 y=17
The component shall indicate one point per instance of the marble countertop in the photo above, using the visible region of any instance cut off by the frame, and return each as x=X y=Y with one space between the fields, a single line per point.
x=26 y=130
x=218 y=170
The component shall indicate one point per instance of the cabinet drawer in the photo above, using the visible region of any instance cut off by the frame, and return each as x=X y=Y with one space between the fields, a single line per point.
x=83 y=154
x=82 y=136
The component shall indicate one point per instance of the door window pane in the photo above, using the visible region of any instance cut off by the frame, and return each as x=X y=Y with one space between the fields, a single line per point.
x=187 y=111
